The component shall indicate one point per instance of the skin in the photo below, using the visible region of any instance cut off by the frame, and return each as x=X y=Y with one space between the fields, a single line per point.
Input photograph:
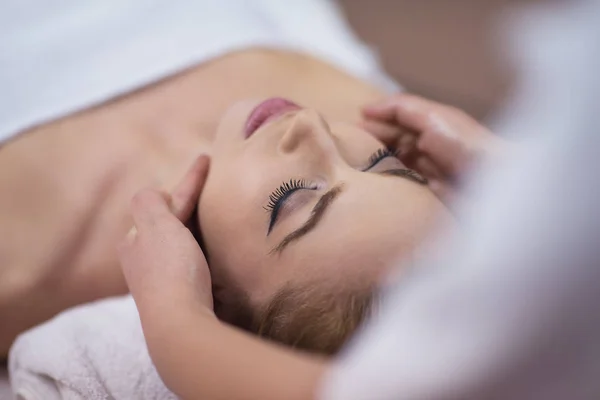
x=68 y=182
x=176 y=311
x=374 y=220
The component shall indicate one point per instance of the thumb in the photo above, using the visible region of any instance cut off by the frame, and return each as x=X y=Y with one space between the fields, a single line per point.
x=386 y=133
x=149 y=208
x=185 y=195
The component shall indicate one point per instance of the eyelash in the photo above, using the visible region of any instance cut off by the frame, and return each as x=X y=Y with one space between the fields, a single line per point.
x=380 y=155
x=280 y=194
x=283 y=191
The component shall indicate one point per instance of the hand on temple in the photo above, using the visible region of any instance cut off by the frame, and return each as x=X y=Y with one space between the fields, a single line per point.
x=164 y=266
x=439 y=141
x=160 y=258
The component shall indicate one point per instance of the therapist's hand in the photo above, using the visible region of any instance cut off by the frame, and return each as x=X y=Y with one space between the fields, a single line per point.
x=439 y=141
x=164 y=266
x=162 y=262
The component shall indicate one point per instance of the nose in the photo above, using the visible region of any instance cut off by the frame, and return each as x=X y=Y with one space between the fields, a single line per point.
x=308 y=133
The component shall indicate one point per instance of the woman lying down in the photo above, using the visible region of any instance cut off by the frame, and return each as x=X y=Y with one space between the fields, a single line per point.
x=313 y=214
x=302 y=212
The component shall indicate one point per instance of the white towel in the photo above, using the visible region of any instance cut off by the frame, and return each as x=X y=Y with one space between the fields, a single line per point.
x=94 y=351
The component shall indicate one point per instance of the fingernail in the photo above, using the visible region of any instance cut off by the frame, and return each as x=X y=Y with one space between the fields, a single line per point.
x=131 y=235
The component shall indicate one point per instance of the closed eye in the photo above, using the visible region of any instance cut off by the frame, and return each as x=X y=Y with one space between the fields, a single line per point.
x=327 y=199
x=281 y=195
x=379 y=156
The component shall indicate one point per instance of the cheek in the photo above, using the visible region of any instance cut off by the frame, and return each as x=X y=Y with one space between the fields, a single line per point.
x=230 y=221
x=351 y=257
x=233 y=121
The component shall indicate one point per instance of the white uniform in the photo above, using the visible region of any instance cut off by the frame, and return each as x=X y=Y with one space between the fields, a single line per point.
x=61 y=56
x=512 y=311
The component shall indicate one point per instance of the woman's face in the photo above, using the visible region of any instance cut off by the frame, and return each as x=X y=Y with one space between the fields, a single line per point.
x=297 y=198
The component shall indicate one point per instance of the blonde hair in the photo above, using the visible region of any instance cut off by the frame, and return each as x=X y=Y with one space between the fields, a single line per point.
x=312 y=317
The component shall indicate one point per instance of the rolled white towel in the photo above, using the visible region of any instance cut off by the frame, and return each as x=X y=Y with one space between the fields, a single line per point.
x=94 y=351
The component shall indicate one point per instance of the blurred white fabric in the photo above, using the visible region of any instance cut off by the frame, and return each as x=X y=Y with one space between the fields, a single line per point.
x=510 y=310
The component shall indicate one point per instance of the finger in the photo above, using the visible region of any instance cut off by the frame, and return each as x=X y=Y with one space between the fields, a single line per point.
x=407 y=110
x=385 y=133
x=383 y=111
x=426 y=167
x=161 y=259
x=149 y=208
x=451 y=156
x=185 y=196
x=163 y=263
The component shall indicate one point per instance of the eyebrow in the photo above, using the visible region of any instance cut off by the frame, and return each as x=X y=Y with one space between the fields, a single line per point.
x=327 y=199
x=406 y=173
x=315 y=216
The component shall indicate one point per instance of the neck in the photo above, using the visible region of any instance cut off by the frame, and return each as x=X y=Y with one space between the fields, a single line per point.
x=151 y=137
x=178 y=117
x=100 y=157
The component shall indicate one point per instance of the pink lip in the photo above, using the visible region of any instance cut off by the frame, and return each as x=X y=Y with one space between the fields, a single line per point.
x=267 y=111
